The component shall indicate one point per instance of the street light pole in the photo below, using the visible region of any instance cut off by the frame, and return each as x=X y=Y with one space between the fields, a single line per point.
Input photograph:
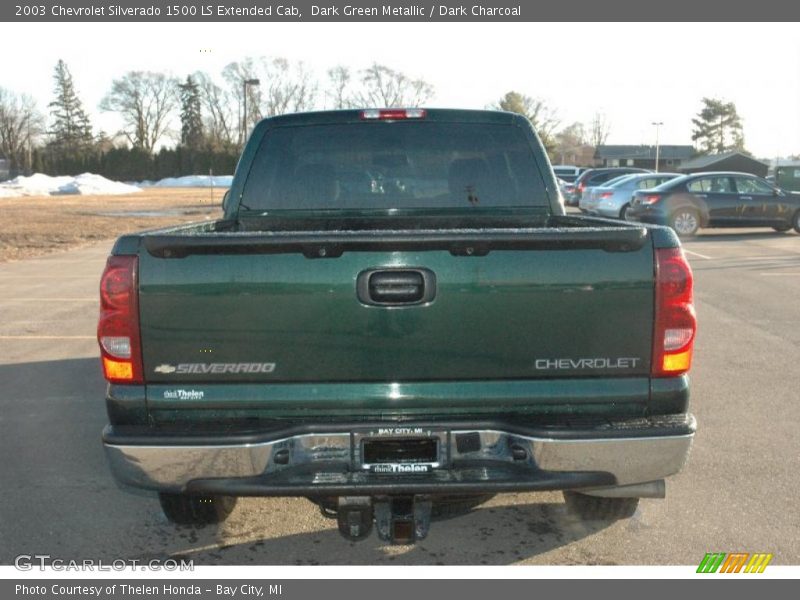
x=658 y=125
x=245 y=83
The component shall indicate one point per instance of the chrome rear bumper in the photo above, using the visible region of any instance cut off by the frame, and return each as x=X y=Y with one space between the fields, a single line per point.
x=330 y=462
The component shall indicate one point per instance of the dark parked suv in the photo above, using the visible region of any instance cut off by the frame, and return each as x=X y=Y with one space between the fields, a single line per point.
x=716 y=200
x=595 y=177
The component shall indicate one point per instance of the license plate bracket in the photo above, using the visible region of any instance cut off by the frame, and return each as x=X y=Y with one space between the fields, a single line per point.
x=401 y=450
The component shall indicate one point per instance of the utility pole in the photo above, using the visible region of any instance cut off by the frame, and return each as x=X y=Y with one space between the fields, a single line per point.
x=244 y=117
x=658 y=125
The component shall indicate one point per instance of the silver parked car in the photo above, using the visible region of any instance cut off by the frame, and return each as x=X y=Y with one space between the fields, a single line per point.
x=588 y=200
x=614 y=198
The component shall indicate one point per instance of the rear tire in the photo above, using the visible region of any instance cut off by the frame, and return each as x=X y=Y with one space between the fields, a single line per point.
x=796 y=221
x=185 y=509
x=623 y=212
x=685 y=222
x=594 y=508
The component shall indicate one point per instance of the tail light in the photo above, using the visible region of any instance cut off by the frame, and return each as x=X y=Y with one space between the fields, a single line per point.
x=393 y=114
x=118 y=327
x=606 y=195
x=675 y=321
x=650 y=198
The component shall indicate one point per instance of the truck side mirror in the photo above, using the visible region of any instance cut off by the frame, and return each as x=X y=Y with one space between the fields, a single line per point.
x=225 y=201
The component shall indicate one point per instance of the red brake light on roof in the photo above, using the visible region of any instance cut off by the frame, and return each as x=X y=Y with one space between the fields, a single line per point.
x=118 y=327
x=675 y=321
x=393 y=114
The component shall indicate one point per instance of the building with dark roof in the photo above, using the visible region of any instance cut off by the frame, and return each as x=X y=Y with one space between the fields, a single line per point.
x=643 y=157
x=728 y=161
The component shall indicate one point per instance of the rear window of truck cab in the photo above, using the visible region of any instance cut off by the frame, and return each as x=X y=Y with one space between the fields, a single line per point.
x=387 y=165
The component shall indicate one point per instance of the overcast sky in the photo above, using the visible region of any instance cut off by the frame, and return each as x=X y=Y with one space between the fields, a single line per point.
x=635 y=73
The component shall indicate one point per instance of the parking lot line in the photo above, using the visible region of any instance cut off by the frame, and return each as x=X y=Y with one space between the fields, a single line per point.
x=48 y=337
x=779 y=274
x=48 y=299
x=697 y=254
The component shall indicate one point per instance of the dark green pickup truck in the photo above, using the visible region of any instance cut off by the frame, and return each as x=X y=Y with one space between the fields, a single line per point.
x=396 y=317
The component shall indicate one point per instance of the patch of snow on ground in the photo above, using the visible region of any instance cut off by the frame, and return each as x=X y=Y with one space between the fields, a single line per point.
x=89 y=183
x=35 y=185
x=45 y=185
x=192 y=181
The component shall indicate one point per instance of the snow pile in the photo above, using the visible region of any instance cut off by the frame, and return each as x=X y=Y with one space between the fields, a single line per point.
x=89 y=183
x=34 y=185
x=192 y=181
x=44 y=185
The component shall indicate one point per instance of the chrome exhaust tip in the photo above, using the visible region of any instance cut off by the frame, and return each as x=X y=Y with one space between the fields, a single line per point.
x=649 y=489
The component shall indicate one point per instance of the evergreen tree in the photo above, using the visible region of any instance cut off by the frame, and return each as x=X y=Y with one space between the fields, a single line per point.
x=718 y=128
x=192 y=133
x=71 y=128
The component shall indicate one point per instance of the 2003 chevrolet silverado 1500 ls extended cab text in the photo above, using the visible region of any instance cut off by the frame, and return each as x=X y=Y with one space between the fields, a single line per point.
x=396 y=316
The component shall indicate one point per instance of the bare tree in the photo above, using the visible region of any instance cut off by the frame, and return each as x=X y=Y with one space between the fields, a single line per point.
x=287 y=87
x=20 y=125
x=145 y=101
x=219 y=116
x=284 y=87
x=541 y=116
x=339 y=78
x=384 y=87
x=600 y=128
x=568 y=143
x=235 y=74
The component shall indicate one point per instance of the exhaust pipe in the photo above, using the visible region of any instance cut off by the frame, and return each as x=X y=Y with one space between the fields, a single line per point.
x=649 y=489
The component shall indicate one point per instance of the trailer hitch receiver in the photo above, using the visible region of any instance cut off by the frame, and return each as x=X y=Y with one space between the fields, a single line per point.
x=402 y=519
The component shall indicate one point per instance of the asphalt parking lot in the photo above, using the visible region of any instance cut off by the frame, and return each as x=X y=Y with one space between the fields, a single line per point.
x=738 y=493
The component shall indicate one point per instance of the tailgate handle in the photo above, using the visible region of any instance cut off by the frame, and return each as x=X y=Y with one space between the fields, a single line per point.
x=395 y=287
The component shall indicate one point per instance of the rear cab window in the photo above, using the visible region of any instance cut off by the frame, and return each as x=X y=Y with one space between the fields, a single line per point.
x=393 y=165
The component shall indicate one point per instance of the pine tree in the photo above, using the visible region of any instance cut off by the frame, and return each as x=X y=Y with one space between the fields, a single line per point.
x=718 y=128
x=71 y=128
x=192 y=134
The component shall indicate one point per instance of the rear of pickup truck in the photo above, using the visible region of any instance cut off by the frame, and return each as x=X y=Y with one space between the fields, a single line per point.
x=395 y=313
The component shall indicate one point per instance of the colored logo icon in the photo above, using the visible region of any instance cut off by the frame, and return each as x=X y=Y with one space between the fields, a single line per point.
x=735 y=562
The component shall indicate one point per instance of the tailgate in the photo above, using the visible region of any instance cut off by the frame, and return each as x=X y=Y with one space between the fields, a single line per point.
x=283 y=317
